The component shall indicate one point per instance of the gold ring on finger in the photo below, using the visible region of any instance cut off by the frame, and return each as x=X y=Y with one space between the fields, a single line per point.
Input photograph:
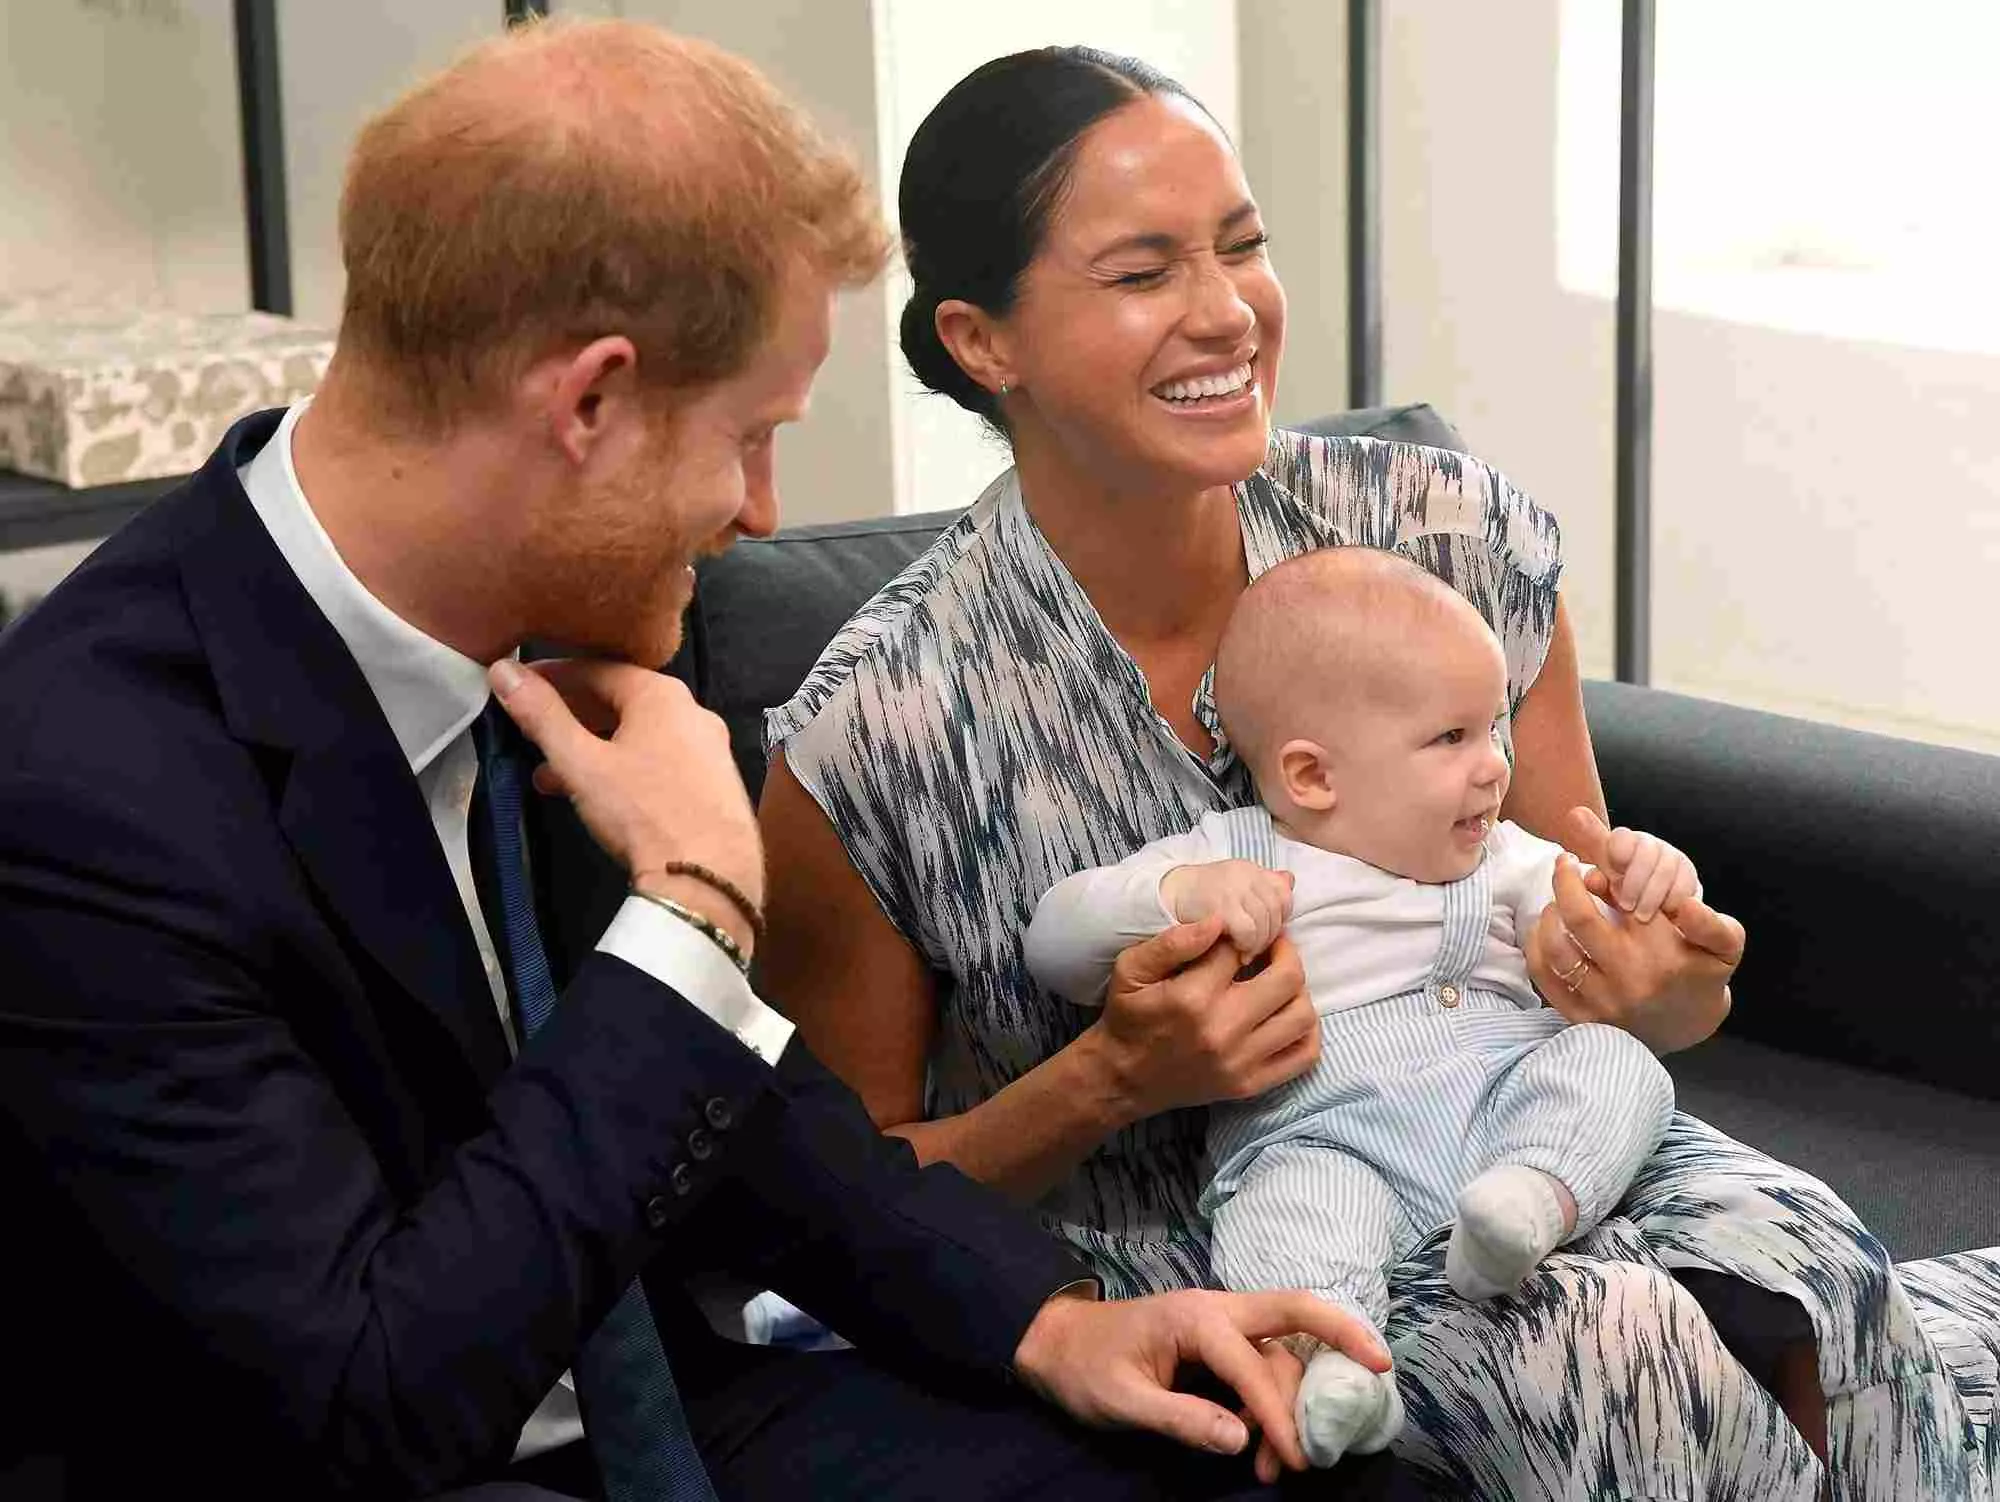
x=1577 y=944
x=1569 y=977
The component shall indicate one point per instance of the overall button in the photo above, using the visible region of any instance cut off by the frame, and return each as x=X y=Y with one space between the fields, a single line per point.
x=701 y=1146
x=1448 y=994
x=658 y=1212
x=681 y=1180
x=719 y=1115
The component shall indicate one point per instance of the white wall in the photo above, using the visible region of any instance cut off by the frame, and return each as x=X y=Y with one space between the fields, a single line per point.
x=1474 y=321
x=337 y=65
x=120 y=179
x=1293 y=56
x=1827 y=529
x=837 y=463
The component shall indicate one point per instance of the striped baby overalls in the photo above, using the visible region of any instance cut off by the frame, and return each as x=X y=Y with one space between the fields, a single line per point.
x=1329 y=1181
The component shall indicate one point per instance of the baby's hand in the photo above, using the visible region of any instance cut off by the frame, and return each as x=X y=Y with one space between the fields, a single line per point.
x=1642 y=875
x=1252 y=902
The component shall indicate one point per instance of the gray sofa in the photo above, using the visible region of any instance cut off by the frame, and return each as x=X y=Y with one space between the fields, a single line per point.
x=1865 y=1041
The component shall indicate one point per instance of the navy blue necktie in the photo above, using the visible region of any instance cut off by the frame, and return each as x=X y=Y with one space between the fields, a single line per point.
x=631 y=1408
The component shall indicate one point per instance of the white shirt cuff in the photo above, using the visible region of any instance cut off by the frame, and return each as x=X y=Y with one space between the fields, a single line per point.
x=678 y=954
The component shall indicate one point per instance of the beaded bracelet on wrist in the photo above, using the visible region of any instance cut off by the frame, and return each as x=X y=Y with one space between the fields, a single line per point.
x=722 y=886
x=708 y=927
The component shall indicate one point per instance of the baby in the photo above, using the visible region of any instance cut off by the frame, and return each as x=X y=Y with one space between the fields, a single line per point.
x=1368 y=700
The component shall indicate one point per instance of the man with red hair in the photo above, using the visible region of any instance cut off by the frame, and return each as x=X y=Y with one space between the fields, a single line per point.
x=323 y=1184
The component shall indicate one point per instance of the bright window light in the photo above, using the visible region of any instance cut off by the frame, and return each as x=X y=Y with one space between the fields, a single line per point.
x=1825 y=166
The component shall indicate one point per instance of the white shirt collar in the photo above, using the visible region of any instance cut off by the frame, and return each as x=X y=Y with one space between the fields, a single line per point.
x=429 y=692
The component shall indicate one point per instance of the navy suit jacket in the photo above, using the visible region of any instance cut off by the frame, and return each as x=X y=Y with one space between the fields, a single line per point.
x=286 y=1217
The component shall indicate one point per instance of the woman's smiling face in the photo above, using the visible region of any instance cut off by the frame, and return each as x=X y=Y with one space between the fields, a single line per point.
x=1146 y=338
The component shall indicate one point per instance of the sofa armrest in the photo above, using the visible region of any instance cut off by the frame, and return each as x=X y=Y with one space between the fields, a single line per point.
x=1866 y=870
x=1411 y=422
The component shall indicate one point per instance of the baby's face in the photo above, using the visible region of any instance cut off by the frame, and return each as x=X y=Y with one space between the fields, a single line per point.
x=1419 y=777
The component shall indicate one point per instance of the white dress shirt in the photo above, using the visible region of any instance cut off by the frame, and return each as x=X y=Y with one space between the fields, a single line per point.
x=430 y=694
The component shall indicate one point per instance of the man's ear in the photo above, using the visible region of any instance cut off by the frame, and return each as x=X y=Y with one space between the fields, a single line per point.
x=975 y=339
x=588 y=394
x=1305 y=771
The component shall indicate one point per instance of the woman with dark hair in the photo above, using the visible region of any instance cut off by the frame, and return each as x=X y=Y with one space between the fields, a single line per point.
x=1032 y=697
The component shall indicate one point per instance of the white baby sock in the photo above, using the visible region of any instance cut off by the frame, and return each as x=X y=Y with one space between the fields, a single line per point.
x=1343 y=1407
x=1509 y=1218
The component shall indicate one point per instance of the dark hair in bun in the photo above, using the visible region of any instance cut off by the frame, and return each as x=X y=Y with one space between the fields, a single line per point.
x=982 y=177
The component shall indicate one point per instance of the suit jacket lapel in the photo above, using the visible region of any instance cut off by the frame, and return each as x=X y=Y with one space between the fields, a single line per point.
x=347 y=802
x=360 y=827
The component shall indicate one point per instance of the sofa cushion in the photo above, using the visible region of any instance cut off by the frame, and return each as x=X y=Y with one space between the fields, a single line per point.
x=1920 y=1165
x=1866 y=870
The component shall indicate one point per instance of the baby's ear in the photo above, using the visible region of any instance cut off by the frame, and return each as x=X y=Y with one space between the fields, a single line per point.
x=1306 y=772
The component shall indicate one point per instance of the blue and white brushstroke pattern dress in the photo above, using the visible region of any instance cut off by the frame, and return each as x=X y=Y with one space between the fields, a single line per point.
x=975 y=734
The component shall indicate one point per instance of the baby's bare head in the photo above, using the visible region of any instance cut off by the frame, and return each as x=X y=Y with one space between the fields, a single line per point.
x=1324 y=640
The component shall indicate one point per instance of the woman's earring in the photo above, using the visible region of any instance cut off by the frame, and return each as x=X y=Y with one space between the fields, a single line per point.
x=1005 y=388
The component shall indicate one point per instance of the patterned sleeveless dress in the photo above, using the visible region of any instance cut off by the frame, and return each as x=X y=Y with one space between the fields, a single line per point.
x=975 y=734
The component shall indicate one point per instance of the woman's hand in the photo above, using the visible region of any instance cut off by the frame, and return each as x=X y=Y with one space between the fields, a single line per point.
x=1179 y=1029
x=1666 y=983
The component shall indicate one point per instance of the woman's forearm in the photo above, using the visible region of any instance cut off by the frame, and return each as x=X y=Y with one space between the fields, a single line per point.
x=1555 y=769
x=1032 y=1135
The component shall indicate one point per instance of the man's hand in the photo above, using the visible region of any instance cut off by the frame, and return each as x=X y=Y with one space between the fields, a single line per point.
x=648 y=770
x=1287 y=1371
x=1252 y=902
x=1178 y=1028
x=1112 y=1364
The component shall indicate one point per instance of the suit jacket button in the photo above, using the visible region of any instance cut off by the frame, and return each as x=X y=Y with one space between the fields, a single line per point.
x=681 y=1180
x=658 y=1212
x=701 y=1146
x=719 y=1115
